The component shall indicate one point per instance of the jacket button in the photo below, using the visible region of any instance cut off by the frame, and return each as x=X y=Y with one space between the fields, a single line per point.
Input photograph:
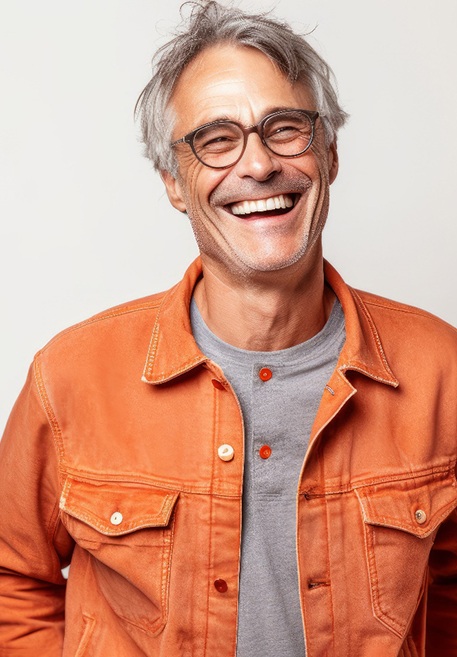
x=225 y=452
x=116 y=518
x=217 y=384
x=221 y=585
x=265 y=374
x=420 y=516
x=265 y=452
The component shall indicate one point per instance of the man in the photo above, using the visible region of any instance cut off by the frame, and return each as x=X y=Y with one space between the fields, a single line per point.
x=260 y=461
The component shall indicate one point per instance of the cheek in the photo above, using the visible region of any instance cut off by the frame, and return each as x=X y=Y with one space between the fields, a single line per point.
x=198 y=183
x=322 y=156
x=320 y=172
x=188 y=180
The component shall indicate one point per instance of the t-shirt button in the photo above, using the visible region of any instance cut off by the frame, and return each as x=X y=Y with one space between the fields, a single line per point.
x=265 y=374
x=265 y=451
x=217 y=384
x=221 y=585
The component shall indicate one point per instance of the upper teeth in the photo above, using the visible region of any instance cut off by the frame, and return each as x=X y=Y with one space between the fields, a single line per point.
x=282 y=201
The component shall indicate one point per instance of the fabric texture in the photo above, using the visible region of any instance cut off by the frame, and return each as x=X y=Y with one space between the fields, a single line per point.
x=111 y=460
x=278 y=414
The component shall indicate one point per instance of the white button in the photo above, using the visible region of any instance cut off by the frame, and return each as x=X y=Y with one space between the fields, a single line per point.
x=226 y=452
x=116 y=518
x=420 y=516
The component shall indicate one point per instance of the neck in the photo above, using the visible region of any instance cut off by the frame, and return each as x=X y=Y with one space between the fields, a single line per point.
x=275 y=311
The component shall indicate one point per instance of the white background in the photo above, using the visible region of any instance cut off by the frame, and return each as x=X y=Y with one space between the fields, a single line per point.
x=84 y=221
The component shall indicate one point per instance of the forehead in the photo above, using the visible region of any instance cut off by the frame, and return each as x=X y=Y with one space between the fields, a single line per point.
x=236 y=82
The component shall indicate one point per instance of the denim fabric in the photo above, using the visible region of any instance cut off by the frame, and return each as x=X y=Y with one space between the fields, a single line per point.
x=111 y=461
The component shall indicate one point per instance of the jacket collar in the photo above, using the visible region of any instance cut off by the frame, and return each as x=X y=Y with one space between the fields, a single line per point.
x=362 y=351
x=173 y=350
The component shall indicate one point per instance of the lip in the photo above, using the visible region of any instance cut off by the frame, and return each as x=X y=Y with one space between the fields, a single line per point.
x=233 y=190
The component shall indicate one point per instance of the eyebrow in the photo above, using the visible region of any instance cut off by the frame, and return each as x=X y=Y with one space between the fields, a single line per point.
x=269 y=110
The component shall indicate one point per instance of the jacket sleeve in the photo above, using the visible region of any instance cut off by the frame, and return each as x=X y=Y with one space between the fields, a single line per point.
x=34 y=546
x=442 y=593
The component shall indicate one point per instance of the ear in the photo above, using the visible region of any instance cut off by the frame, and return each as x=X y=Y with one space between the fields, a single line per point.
x=333 y=162
x=174 y=191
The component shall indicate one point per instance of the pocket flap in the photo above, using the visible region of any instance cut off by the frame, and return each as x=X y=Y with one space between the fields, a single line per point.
x=116 y=508
x=416 y=505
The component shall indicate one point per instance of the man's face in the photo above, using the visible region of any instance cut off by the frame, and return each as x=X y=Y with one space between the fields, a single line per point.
x=243 y=85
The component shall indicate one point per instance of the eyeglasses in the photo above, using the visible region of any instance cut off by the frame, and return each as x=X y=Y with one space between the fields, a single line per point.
x=221 y=144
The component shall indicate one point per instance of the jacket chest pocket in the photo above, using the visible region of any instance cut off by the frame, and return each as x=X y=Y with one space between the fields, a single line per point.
x=128 y=531
x=401 y=519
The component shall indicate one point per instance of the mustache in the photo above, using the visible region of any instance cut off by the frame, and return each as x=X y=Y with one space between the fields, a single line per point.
x=229 y=192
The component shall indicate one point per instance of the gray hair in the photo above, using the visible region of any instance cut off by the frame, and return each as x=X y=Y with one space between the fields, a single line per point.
x=209 y=23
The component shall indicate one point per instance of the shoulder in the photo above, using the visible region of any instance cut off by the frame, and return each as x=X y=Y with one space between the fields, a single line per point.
x=385 y=315
x=388 y=310
x=405 y=327
x=112 y=330
x=116 y=341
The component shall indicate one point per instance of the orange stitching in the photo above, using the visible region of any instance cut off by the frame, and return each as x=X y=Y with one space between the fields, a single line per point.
x=210 y=544
x=85 y=477
x=383 y=615
x=125 y=310
x=361 y=304
x=50 y=416
x=409 y=310
x=168 y=376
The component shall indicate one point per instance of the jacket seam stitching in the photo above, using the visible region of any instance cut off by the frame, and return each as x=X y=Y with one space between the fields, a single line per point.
x=419 y=474
x=211 y=519
x=139 y=523
x=152 y=348
x=50 y=415
x=176 y=487
x=374 y=332
x=54 y=520
x=147 y=370
x=356 y=366
x=163 y=377
x=382 y=615
x=51 y=534
x=409 y=311
x=349 y=488
x=95 y=320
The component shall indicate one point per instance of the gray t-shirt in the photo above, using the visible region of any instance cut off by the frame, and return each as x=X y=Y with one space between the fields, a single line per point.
x=278 y=413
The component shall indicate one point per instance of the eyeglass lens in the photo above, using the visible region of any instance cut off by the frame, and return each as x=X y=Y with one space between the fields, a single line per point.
x=221 y=144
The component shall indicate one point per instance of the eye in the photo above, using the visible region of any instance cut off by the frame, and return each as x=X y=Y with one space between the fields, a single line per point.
x=284 y=128
x=283 y=133
x=217 y=138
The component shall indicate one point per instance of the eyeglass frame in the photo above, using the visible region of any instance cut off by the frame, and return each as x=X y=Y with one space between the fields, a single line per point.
x=247 y=130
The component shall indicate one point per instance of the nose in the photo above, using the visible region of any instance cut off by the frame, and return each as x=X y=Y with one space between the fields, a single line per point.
x=257 y=161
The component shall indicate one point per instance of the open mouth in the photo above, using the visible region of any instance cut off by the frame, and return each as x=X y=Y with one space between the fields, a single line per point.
x=273 y=205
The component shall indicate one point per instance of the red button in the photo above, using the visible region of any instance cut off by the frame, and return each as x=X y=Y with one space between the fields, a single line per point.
x=265 y=374
x=217 y=384
x=221 y=585
x=265 y=451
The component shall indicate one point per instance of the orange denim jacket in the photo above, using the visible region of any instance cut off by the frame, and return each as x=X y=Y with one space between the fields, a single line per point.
x=112 y=464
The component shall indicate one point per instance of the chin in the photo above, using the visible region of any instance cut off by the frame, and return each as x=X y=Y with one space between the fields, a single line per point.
x=276 y=261
x=271 y=264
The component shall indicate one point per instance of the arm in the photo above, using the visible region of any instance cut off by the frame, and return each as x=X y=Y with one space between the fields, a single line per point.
x=442 y=594
x=33 y=544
